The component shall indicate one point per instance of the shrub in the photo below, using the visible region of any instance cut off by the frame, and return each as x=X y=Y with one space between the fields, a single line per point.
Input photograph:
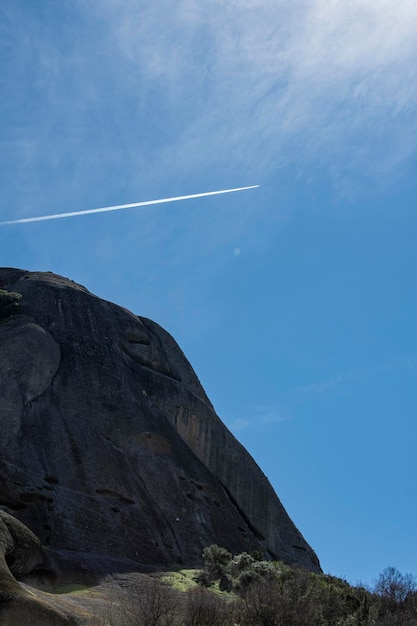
x=9 y=303
x=240 y=563
x=256 y=572
x=216 y=560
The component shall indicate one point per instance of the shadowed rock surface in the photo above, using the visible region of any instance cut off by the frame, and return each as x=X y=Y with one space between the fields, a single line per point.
x=110 y=448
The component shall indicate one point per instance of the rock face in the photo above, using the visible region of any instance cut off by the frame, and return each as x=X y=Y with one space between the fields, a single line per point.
x=109 y=444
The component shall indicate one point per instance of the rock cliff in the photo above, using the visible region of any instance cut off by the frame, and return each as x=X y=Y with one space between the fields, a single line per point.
x=109 y=445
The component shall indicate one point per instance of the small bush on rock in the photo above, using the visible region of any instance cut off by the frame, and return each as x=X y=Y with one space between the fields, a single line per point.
x=9 y=303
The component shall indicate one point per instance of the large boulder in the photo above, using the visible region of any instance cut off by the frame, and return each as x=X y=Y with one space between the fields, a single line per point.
x=20 y=549
x=20 y=553
x=109 y=445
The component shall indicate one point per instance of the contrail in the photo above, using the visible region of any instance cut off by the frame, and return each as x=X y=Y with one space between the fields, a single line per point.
x=119 y=207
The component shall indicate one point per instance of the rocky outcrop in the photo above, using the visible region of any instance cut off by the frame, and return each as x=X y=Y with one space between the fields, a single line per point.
x=109 y=445
x=20 y=549
x=20 y=553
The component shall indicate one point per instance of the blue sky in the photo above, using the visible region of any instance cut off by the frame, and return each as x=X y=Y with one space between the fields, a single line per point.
x=295 y=302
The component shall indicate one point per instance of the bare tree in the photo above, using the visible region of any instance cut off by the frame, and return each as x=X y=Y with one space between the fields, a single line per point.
x=205 y=608
x=394 y=586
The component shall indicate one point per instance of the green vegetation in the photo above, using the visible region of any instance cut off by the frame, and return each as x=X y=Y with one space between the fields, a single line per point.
x=262 y=593
x=72 y=589
x=216 y=560
x=272 y=594
x=182 y=580
x=9 y=303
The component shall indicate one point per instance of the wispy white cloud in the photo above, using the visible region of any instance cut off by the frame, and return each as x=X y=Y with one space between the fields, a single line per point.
x=322 y=387
x=265 y=416
x=262 y=417
x=350 y=379
x=269 y=82
x=154 y=94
